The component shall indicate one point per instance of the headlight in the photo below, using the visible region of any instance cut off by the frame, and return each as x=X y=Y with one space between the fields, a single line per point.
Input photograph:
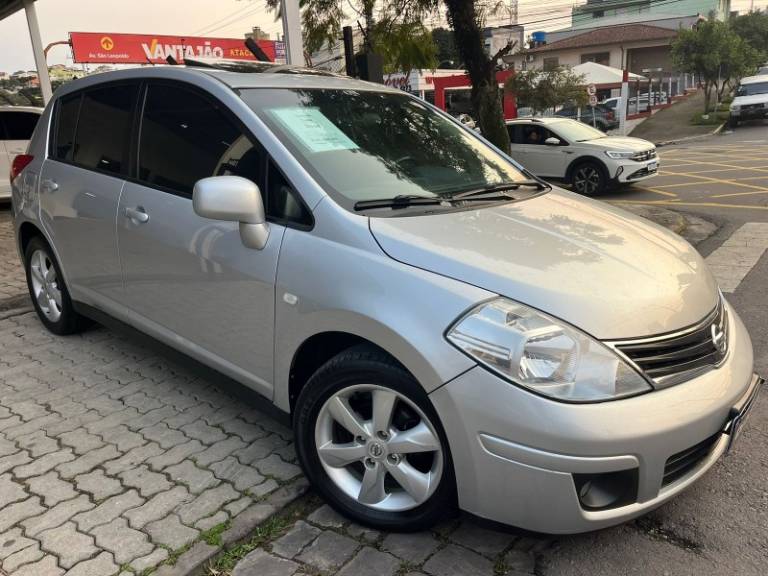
x=544 y=354
x=735 y=107
x=618 y=154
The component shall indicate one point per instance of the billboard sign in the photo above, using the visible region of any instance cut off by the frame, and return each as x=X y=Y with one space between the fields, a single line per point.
x=106 y=48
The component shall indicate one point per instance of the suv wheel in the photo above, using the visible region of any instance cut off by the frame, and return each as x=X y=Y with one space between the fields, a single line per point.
x=589 y=178
x=48 y=291
x=371 y=443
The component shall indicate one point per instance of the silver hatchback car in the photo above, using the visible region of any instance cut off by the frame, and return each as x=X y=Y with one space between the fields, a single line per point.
x=443 y=328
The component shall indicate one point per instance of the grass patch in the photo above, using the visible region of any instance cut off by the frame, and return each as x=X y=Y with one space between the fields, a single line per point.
x=212 y=536
x=713 y=118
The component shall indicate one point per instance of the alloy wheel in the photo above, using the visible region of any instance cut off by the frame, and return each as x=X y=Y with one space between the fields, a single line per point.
x=379 y=448
x=45 y=285
x=586 y=180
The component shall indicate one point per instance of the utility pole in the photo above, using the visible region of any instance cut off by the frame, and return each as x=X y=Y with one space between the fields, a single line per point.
x=294 y=45
x=37 y=50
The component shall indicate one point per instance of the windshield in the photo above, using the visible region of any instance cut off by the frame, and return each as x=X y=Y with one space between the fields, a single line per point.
x=577 y=131
x=752 y=89
x=367 y=145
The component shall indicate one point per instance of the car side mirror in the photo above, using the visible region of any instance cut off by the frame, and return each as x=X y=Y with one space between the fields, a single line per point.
x=233 y=199
x=552 y=141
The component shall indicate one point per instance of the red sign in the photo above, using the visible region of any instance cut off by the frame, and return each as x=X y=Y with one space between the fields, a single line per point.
x=105 y=48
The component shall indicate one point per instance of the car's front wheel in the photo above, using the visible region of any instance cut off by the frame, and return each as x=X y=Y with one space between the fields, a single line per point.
x=589 y=178
x=371 y=443
x=49 y=293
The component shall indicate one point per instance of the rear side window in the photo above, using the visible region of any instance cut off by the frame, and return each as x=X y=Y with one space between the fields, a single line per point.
x=185 y=137
x=66 y=122
x=103 y=131
x=18 y=125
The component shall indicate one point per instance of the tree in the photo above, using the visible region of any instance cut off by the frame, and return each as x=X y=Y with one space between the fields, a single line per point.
x=545 y=90
x=447 y=55
x=752 y=27
x=717 y=54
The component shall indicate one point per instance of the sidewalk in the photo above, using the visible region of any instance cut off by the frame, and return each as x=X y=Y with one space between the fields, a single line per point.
x=674 y=123
x=693 y=228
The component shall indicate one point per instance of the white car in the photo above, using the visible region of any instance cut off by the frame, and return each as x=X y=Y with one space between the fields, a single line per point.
x=590 y=160
x=751 y=101
x=16 y=126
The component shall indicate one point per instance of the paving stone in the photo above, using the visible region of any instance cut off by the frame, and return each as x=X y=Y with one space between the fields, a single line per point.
x=125 y=543
x=276 y=467
x=98 y=484
x=523 y=561
x=363 y=532
x=19 y=511
x=295 y=540
x=22 y=557
x=69 y=545
x=205 y=524
x=243 y=477
x=81 y=441
x=37 y=443
x=142 y=402
x=261 y=490
x=175 y=455
x=287 y=453
x=28 y=410
x=234 y=508
x=195 y=479
x=45 y=567
x=171 y=532
x=43 y=464
x=18 y=459
x=13 y=541
x=101 y=565
x=150 y=560
x=414 y=548
x=57 y=515
x=158 y=506
x=246 y=522
x=10 y=491
x=244 y=430
x=219 y=451
x=6 y=446
x=104 y=404
x=108 y=510
x=189 y=562
x=87 y=461
x=164 y=436
x=69 y=409
x=327 y=517
x=224 y=413
x=31 y=426
x=264 y=564
x=7 y=423
x=456 y=561
x=199 y=430
x=371 y=562
x=132 y=458
x=329 y=551
x=112 y=420
x=148 y=483
x=122 y=437
x=52 y=489
x=487 y=542
x=73 y=423
x=207 y=503
x=269 y=424
x=259 y=449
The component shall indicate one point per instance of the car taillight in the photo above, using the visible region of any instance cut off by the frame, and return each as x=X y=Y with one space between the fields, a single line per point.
x=19 y=163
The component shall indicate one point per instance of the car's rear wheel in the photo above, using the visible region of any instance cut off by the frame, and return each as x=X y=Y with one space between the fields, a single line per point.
x=371 y=443
x=49 y=293
x=589 y=178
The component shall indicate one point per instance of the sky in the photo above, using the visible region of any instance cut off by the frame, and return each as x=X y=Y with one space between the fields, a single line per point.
x=220 y=18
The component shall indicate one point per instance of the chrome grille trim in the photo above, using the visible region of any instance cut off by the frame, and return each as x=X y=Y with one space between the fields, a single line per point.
x=645 y=155
x=672 y=358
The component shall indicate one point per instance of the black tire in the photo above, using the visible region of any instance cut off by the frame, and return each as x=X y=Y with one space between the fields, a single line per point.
x=589 y=178
x=358 y=365
x=69 y=321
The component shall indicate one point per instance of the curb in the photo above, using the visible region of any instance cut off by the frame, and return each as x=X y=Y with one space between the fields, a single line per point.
x=15 y=306
x=192 y=562
x=692 y=138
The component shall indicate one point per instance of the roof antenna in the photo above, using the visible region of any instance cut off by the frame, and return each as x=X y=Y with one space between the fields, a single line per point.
x=256 y=50
x=171 y=60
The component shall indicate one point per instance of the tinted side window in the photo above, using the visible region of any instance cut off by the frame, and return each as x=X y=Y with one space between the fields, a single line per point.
x=66 y=122
x=104 y=128
x=282 y=201
x=184 y=138
x=19 y=125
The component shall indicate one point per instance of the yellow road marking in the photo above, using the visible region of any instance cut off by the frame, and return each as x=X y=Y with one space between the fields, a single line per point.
x=705 y=204
x=656 y=191
x=764 y=191
x=708 y=179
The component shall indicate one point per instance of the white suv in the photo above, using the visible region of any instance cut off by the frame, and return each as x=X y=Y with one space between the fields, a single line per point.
x=585 y=157
x=751 y=101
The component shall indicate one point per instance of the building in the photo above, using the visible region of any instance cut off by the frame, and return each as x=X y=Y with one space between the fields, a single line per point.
x=612 y=12
x=499 y=37
x=257 y=34
x=61 y=73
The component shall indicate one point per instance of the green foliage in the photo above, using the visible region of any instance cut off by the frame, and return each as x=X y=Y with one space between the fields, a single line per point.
x=752 y=27
x=544 y=90
x=405 y=46
x=446 y=48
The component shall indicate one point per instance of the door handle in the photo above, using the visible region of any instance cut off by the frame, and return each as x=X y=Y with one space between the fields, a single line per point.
x=137 y=215
x=49 y=186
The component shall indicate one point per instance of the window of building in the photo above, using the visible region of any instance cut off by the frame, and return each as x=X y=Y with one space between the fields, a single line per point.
x=104 y=128
x=599 y=57
x=551 y=63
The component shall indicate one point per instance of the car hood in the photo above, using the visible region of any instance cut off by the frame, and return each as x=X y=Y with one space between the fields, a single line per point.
x=754 y=99
x=611 y=273
x=621 y=143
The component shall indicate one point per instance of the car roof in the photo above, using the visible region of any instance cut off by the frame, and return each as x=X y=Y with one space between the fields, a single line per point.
x=539 y=120
x=33 y=109
x=754 y=79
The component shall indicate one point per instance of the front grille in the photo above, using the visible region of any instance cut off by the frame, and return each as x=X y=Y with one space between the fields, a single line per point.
x=645 y=155
x=676 y=357
x=753 y=107
x=680 y=464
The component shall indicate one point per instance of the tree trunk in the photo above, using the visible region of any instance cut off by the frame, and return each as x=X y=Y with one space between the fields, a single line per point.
x=707 y=96
x=368 y=6
x=486 y=96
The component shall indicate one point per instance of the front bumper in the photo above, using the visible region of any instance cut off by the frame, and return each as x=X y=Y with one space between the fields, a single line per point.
x=631 y=171
x=515 y=454
x=749 y=113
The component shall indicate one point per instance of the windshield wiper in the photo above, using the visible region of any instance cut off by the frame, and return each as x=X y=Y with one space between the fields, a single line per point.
x=402 y=201
x=496 y=190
